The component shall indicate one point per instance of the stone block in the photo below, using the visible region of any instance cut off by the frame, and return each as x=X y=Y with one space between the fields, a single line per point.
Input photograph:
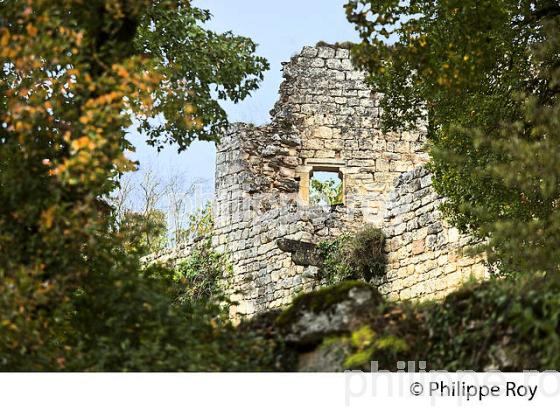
x=418 y=246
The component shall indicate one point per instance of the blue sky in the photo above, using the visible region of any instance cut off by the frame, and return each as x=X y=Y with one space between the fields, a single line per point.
x=281 y=29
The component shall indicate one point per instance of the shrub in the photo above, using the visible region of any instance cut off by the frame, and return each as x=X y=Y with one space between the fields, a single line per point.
x=130 y=322
x=200 y=274
x=335 y=267
x=147 y=331
x=360 y=256
x=367 y=253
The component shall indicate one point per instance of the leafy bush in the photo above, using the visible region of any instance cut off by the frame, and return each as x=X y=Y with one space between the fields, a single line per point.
x=358 y=256
x=118 y=322
x=146 y=331
x=507 y=324
x=367 y=252
x=200 y=274
x=335 y=267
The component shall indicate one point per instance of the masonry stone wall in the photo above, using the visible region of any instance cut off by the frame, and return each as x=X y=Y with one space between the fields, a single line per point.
x=174 y=255
x=336 y=115
x=257 y=203
x=427 y=258
x=327 y=119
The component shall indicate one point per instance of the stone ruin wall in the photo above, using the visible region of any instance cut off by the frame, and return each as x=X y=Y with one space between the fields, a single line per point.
x=327 y=119
x=257 y=203
x=336 y=115
x=426 y=258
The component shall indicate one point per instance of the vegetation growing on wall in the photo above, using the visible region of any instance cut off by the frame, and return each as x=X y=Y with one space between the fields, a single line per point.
x=203 y=274
x=344 y=44
x=358 y=256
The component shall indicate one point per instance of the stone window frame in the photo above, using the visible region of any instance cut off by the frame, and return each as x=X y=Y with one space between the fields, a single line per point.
x=304 y=174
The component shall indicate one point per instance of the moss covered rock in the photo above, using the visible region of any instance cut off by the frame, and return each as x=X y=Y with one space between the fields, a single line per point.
x=329 y=311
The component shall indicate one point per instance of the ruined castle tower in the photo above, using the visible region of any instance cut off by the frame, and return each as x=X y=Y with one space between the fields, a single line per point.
x=327 y=120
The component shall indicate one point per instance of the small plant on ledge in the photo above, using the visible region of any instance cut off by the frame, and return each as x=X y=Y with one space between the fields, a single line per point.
x=359 y=256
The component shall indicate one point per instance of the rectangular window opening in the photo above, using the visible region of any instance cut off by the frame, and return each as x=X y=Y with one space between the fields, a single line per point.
x=326 y=188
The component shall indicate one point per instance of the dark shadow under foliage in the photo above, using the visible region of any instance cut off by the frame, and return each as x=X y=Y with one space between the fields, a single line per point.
x=133 y=323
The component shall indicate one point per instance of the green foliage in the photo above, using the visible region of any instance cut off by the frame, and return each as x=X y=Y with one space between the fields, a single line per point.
x=74 y=76
x=200 y=224
x=367 y=252
x=202 y=274
x=132 y=324
x=343 y=45
x=327 y=192
x=143 y=234
x=318 y=300
x=509 y=324
x=358 y=256
x=367 y=344
x=487 y=77
x=336 y=266
x=197 y=64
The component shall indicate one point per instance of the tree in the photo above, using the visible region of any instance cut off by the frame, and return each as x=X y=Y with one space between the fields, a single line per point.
x=486 y=75
x=74 y=75
x=327 y=192
x=143 y=233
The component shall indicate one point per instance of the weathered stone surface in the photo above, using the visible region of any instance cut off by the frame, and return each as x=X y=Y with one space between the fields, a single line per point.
x=328 y=312
x=433 y=244
x=303 y=253
x=325 y=358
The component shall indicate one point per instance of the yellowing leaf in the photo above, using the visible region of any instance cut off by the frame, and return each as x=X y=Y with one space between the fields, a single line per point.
x=31 y=30
x=5 y=37
x=47 y=218
x=79 y=38
x=74 y=71
x=80 y=143
x=121 y=71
